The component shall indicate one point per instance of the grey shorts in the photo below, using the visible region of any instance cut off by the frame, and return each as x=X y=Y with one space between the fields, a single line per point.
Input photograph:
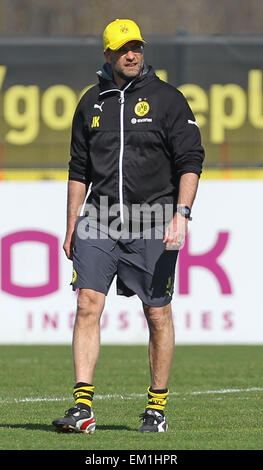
x=142 y=266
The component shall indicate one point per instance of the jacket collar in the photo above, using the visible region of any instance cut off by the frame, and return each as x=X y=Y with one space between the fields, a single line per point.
x=106 y=81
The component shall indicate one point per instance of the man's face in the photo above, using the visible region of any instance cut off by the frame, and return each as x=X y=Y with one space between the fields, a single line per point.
x=126 y=62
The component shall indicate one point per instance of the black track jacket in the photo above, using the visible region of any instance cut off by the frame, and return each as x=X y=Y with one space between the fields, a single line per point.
x=134 y=144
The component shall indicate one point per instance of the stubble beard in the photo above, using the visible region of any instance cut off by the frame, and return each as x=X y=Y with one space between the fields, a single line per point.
x=128 y=77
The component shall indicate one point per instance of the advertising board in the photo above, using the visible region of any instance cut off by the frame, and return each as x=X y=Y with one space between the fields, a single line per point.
x=218 y=288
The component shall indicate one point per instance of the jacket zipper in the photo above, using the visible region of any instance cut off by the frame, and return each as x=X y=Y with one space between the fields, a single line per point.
x=121 y=153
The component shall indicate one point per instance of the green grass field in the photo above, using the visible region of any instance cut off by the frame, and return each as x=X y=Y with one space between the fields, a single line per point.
x=216 y=399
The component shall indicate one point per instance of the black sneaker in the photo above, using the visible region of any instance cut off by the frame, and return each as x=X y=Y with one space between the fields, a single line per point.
x=76 y=420
x=153 y=421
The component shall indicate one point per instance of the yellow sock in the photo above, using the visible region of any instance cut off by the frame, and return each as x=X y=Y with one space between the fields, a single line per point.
x=157 y=399
x=83 y=394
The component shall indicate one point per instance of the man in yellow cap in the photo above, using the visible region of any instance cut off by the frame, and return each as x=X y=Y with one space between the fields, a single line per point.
x=136 y=148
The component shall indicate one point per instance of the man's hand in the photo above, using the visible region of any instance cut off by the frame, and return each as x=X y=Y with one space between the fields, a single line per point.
x=68 y=245
x=76 y=196
x=176 y=232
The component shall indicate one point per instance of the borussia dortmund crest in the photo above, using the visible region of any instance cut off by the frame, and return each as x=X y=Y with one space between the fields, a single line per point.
x=142 y=107
x=124 y=29
x=74 y=276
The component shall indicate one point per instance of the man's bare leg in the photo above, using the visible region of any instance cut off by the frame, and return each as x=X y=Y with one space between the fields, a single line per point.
x=161 y=344
x=86 y=336
x=161 y=352
x=86 y=347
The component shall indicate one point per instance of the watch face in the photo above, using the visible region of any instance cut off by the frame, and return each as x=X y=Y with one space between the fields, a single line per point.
x=184 y=210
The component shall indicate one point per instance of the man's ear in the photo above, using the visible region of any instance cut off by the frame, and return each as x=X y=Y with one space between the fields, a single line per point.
x=107 y=56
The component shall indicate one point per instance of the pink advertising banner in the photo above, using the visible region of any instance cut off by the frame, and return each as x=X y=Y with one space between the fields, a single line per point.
x=218 y=288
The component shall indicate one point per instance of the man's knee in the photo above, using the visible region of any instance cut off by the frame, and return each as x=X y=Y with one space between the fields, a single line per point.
x=158 y=317
x=90 y=302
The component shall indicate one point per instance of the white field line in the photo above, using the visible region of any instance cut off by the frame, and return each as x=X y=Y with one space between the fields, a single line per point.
x=135 y=395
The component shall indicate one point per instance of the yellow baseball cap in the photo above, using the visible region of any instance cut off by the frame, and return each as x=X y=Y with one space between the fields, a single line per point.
x=119 y=32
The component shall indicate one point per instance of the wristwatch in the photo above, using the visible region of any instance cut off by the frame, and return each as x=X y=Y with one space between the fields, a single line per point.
x=185 y=211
